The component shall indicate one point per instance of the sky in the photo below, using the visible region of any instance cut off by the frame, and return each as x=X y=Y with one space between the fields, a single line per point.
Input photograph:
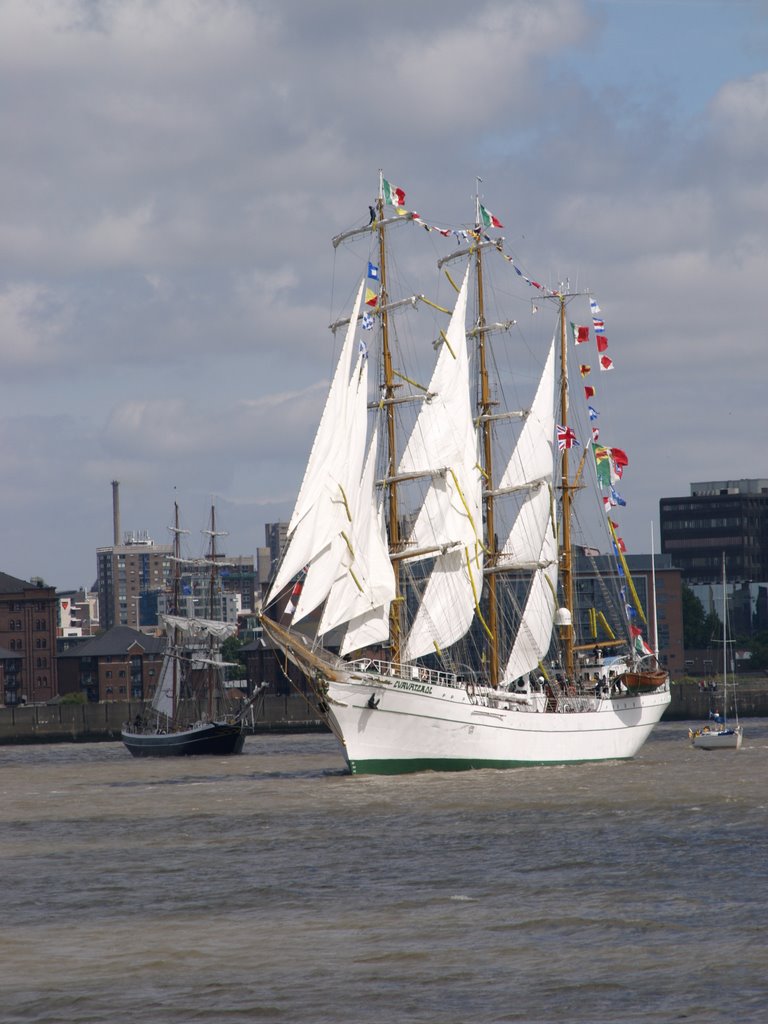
x=173 y=172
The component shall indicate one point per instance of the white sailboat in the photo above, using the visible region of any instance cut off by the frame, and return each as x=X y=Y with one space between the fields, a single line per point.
x=721 y=735
x=442 y=636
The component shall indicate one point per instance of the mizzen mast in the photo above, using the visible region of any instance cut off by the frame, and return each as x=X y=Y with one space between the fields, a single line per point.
x=567 y=489
x=564 y=615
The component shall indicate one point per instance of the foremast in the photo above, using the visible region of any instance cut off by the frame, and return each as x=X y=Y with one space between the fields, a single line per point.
x=395 y=620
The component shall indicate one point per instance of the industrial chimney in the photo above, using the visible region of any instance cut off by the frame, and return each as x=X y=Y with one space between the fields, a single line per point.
x=116 y=512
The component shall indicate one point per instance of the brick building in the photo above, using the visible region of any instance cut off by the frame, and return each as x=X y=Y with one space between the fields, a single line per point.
x=28 y=622
x=121 y=664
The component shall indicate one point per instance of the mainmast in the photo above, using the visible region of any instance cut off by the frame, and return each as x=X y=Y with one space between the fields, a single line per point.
x=485 y=418
x=213 y=591
x=176 y=593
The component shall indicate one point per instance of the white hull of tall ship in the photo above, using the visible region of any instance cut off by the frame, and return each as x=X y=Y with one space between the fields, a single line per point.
x=720 y=739
x=389 y=722
x=393 y=725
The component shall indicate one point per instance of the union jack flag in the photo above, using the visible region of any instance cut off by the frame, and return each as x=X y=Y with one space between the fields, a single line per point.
x=565 y=438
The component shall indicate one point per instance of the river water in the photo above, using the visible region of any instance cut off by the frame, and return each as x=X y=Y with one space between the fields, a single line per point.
x=273 y=887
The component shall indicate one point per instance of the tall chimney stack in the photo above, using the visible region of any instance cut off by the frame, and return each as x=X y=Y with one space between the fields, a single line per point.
x=116 y=512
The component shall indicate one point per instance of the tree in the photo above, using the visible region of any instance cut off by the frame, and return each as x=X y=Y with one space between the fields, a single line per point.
x=73 y=698
x=230 y=652
x=758 y=645
x=699 y=629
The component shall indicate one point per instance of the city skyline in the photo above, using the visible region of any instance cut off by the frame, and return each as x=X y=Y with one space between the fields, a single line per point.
x=167 y=210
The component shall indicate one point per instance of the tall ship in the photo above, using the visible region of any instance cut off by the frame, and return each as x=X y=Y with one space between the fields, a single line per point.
x=190 y=712
x=428 y=585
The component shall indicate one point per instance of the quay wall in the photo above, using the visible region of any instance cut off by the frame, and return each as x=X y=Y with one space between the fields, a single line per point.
x=89 y=723
x=689 y=701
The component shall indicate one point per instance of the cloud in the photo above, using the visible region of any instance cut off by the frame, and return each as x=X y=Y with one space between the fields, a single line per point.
x=33 y=319
x=174 y=171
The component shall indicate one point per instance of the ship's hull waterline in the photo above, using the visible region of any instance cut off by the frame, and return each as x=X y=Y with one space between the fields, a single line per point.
x=390 y=724
x=212 y=738
x=387 y=729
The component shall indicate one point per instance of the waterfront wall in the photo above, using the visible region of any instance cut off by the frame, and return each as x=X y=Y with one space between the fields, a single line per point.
x=88 y=723
x=748 y=696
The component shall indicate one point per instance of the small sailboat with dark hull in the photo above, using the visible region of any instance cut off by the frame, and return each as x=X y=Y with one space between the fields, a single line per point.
x=189 y=713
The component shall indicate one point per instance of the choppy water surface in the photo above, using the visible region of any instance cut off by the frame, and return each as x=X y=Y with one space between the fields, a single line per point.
x=274 y=887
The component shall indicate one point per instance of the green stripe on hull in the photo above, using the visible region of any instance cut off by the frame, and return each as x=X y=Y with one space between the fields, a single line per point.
x=445 y=764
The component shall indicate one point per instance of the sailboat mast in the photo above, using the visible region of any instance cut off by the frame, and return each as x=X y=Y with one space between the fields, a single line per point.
x=212 y=581
x=175 y=609
x=389 y=404
x=725 y=647
x=485 y=415
x=566 y=555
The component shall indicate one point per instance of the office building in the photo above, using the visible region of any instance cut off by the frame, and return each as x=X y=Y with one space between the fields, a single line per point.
x=722 y=519
x=128 y=571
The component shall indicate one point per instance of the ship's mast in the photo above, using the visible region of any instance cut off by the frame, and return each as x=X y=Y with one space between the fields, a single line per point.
x=485 y=417
x=177 y=531
x=481 y=331
x=567 y=489
x=395 y=629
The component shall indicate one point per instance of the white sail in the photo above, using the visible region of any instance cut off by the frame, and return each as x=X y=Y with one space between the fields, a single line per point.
x=162 y=699
x=534 y=632
x=333 y=521
x=532 y=541
x=310 y=530
x=444 y=443
x=535 y=521
x=372 y=626
x=364 y=585
x=532 y=458
x=448 y=604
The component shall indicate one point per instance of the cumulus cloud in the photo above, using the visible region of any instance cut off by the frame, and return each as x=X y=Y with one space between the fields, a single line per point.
x=174 y=170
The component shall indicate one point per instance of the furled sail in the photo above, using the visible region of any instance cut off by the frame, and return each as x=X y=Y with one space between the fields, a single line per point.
x=316 y=513
x=198 y=629
x=443 y=444
x=195 y=634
